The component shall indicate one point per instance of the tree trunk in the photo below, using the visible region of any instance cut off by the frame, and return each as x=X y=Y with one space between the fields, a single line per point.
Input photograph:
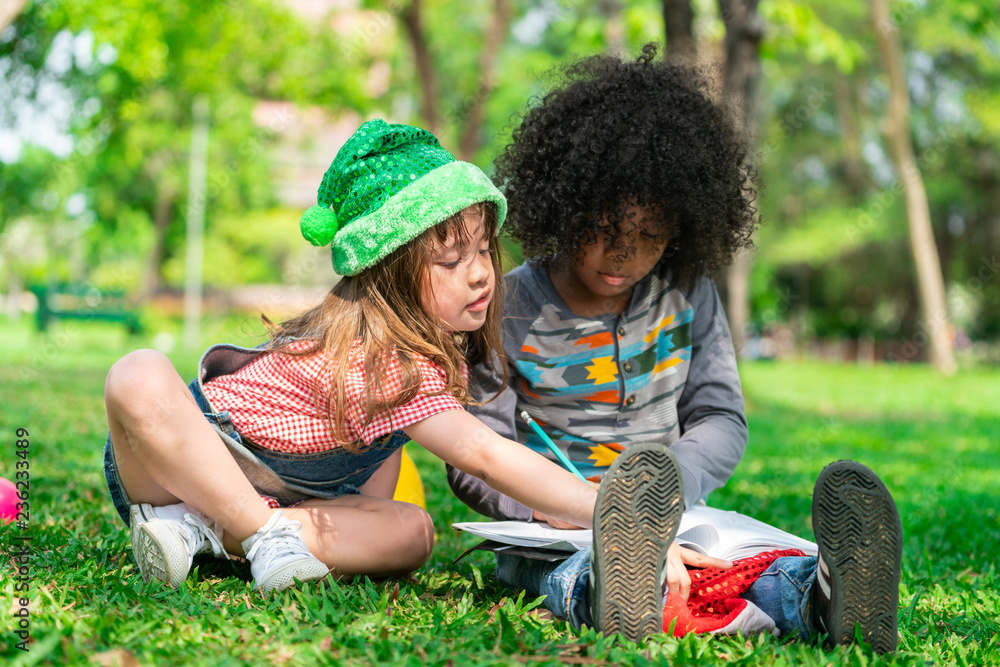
x=855 y=173
x=933 y=305
x=15 y=285
x=413 y=22
x=614 y=27
x=744 y=31
x=678 y=22
x=162 y=214
x=493 y=42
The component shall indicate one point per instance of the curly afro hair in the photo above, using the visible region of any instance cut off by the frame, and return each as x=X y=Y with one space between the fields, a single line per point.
x=616 y=134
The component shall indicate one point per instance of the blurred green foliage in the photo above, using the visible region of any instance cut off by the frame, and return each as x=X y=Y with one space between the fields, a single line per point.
x=837 y=233
x=833 y=257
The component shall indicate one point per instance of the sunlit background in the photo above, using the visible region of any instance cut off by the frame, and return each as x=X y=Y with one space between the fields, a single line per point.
x=155 y=157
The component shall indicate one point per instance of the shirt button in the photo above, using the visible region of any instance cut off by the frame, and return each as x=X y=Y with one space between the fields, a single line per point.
x=621 y=331
x=630 y=400
x=628 y=366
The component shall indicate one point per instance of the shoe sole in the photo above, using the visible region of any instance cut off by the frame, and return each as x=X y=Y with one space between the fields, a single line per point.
x=306 y=569
x=159 y=552
x=639 y=506
x=860 y=540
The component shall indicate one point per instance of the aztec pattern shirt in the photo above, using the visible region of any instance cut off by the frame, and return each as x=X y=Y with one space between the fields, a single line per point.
x=662 y=371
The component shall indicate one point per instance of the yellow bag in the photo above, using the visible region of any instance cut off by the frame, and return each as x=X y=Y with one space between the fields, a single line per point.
x=409 y=488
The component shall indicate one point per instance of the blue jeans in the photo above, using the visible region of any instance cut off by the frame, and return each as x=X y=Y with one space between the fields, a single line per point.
x=288 y=477
x=782 y=591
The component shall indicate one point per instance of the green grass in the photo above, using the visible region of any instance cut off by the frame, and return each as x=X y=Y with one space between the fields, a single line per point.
x=933 y=440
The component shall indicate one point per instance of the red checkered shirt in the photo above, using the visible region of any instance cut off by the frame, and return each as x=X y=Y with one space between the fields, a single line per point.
x=273 y=400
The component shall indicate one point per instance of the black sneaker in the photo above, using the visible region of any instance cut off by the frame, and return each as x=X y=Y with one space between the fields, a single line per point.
x=860 y=544
x=639 y=507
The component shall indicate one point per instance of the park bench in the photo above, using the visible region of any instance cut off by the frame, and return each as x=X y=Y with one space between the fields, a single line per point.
x=81 y=301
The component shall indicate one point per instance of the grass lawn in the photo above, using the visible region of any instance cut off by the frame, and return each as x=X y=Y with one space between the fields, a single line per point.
x=933 y=440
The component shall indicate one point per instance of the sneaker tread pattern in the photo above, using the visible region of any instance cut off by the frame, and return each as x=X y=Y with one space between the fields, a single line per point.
x=859 y=534
x=635 y=523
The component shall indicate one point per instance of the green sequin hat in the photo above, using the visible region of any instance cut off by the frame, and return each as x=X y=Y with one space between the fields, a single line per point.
x=387 y=185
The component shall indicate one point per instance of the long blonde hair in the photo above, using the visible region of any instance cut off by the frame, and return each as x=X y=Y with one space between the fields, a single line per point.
x=381 y=311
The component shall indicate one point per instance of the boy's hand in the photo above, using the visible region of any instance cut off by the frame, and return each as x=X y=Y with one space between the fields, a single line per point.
x=678 y=557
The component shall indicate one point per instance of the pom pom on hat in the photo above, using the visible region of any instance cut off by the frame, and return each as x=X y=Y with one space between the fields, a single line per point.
x=319 y=225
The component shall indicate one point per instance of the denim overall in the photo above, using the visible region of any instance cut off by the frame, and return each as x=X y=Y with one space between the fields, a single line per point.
x=288 y=477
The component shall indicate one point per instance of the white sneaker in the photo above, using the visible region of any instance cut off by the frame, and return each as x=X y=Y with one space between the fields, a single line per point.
x=278 y=555
x=165 y=540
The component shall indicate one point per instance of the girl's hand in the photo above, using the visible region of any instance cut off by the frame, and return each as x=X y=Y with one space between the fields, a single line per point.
x=678 y=557
x=460 y=439
x=559 y=523
x=554 y=522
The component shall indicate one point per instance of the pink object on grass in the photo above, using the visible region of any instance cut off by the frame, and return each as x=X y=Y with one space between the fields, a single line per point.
x=8 y=500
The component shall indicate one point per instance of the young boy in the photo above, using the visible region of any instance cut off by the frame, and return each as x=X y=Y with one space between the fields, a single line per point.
x=627 y=188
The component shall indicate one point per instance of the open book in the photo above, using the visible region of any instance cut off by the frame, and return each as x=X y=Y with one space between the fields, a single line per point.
x=718 y=533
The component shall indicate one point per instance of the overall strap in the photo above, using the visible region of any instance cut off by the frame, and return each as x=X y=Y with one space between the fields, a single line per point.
x=221 y=360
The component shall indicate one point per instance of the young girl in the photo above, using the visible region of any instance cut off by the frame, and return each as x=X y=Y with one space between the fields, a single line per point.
x=312 y=423
x=628 y=187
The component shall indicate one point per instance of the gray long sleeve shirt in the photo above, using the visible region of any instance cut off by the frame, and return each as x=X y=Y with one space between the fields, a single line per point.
x=662 y=371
